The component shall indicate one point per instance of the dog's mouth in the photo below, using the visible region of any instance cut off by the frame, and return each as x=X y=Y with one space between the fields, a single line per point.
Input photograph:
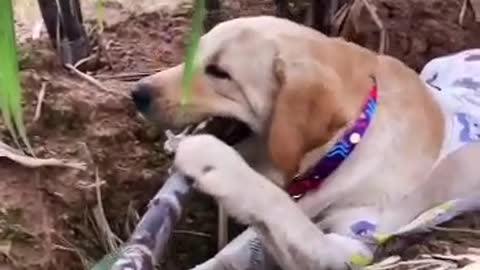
x=227 y=129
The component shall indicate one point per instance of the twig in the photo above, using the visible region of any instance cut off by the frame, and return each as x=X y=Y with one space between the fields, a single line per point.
x=455 y=258
x=84 y=60
x=422 y=262
x=72 y=248
x=113 y=241
x=199 y=234
x=457 y=230
x=93 y=81
x=104 y=48
x=84 y=185
x=339 y=18
x=463 y=11
x=222 y=228
x=383 y=32
x=41 y=96
x=31 y=162
x=129 y=76
x=131 y=217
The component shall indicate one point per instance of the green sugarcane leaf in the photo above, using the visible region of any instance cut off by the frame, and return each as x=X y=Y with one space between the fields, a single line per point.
x=192 y=48
x=10 y=90
x=100 y=9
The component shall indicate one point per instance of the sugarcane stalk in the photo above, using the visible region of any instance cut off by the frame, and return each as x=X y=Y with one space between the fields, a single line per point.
x=148 y=242
x=64 y=22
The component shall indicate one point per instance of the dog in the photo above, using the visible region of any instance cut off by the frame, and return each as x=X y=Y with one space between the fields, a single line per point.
x=344 y=143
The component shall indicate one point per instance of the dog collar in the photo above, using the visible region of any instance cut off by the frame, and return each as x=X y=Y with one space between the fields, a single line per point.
x=314 y=177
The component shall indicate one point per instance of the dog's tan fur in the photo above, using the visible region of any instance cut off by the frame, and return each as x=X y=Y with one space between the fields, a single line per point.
x=299 y=90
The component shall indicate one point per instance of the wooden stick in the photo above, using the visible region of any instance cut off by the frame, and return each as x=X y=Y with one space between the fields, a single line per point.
x=148 y=242
x=93 y=81
x=41 y=96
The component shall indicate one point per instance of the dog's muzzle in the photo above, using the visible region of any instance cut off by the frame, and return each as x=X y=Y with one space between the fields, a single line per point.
x=142 y=97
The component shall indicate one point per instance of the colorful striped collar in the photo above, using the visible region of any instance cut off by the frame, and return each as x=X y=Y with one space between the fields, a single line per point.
x=314 y=177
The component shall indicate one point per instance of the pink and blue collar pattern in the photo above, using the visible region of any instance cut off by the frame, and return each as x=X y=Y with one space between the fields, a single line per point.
x=315 y=176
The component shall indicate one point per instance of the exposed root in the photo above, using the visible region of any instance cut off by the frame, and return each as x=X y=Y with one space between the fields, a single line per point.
x=31 y=162
x=113 y=242
x=93 y=81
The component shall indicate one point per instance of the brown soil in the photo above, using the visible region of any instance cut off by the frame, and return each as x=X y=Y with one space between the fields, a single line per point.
x=418 y=30
x=46 y=214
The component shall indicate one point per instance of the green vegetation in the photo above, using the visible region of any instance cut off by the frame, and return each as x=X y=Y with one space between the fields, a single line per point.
x=192 y=48
x=10 y=89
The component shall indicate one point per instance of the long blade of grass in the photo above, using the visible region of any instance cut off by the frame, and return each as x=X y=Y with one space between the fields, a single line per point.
x=10 y=90
x=192 y=48
x=100 y=10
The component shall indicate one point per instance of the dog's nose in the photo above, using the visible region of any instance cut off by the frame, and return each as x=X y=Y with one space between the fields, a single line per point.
x=142 y=96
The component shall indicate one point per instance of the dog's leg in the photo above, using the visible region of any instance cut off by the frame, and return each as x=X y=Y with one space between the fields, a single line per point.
x=287 y=233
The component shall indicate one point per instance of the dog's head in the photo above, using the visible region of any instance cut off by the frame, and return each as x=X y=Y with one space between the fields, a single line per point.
x=279 y=79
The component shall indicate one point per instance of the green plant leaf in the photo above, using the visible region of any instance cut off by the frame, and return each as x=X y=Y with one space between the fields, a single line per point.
x=100 y=9
x=192 y=48
x=10 y=90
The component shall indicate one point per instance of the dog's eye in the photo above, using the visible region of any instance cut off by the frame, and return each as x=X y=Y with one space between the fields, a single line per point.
x=217 y=72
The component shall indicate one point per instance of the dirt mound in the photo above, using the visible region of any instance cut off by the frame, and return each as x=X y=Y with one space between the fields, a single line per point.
x=48 y=215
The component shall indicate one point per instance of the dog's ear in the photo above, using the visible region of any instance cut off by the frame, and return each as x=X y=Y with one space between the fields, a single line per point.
x=307 y=112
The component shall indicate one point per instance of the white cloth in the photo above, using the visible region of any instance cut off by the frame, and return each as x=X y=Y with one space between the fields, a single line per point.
x=455 y=82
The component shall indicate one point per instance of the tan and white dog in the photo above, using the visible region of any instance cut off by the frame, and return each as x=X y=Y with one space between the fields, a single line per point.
x=299 y=92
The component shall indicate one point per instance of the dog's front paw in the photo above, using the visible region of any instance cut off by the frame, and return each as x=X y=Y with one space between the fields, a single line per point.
x=211 y=163
x=218 y=170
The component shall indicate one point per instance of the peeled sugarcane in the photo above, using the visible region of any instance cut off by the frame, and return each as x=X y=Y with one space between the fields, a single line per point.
x=149 y=240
